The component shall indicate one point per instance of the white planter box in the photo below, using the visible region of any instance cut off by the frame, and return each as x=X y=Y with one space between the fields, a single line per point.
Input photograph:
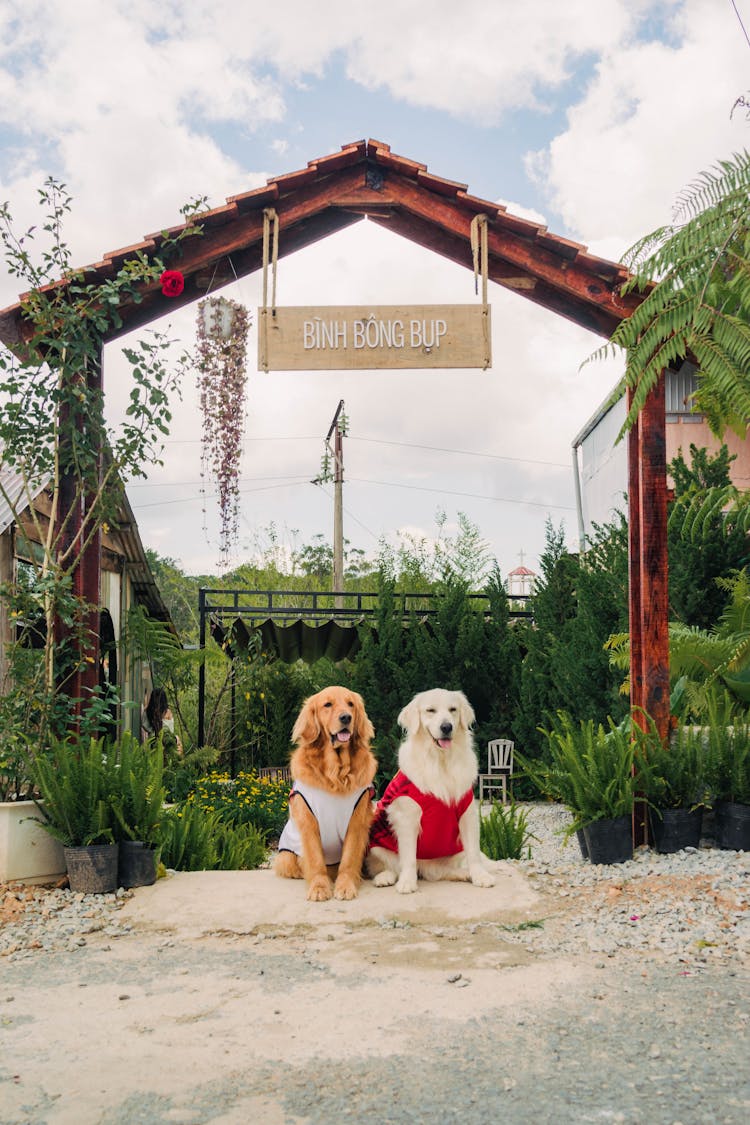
x=27 y=853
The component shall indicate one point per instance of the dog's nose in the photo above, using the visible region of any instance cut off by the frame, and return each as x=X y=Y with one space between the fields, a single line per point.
x=446 y=728
x=345 y=719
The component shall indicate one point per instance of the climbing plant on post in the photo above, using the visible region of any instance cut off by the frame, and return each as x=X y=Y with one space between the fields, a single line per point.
x=54 y=437
x=222 y=379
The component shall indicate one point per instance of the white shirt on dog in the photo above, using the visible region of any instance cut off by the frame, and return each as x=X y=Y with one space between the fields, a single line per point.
x=332 y=812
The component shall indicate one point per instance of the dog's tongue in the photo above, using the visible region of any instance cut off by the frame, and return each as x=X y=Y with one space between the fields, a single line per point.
x=444 y=743
x=343 y=735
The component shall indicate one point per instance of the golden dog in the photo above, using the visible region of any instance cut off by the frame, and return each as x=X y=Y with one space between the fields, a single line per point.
x=330 y=806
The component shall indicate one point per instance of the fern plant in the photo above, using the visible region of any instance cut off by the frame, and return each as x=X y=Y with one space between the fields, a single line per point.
x=188 y=839
x=718 y=658
x=673 y=776
x=504 y=832
x=698 y=308
x=728 y=765
x=138 y=796
x=591 y=769
x=242 y=848
x=193 y=839
x=75 y=783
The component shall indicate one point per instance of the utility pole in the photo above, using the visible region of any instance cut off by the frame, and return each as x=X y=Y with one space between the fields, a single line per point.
x=338 y=430
x=338 y=510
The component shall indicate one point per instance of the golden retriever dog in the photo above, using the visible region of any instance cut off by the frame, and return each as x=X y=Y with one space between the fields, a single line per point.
x=330 y=806
x=427 y=821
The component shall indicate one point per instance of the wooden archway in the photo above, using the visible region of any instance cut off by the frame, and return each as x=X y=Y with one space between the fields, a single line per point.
x=366 y=179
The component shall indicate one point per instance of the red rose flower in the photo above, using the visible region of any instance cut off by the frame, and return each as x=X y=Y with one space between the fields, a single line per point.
x=172 y=283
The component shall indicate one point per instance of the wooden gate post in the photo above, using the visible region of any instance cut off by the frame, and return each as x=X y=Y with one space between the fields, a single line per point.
x=74 y=522
x=648 y=574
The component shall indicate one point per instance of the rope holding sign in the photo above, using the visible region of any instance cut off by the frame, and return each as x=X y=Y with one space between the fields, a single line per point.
x=270 y=251
x=480 y=256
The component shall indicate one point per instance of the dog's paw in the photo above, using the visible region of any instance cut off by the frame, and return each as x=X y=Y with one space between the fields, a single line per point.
x=345 y=887
x=407 y=885
x=482 y=878
x=385 y=879
x=320 y=889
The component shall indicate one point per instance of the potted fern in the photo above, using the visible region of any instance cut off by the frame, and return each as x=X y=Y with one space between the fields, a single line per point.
x=672 y=779
x=74 y=780
x=592 y=767
x=728 y=770
x=137 y=799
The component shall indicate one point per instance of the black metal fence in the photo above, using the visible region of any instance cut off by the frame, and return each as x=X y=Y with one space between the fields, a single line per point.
x=221 y=610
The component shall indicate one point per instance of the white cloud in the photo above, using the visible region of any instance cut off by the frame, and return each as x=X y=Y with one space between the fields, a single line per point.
x=478 y=59
x=652 y=118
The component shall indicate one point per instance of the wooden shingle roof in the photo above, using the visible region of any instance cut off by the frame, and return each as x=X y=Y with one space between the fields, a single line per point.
x=367 y=179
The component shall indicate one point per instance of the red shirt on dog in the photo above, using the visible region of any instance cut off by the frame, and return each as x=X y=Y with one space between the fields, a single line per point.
x=438 y=833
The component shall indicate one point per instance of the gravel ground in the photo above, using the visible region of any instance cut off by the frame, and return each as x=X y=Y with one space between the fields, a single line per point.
x=629 y=1002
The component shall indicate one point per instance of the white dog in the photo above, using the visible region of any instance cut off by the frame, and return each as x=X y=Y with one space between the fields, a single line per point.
x=427 y=821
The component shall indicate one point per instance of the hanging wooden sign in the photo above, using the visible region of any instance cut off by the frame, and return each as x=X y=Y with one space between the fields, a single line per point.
x=357 y=337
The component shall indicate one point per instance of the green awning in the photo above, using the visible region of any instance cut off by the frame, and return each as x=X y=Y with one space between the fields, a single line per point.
x=292 y=641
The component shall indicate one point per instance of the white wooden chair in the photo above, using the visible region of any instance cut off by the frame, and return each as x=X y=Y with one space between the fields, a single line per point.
x=499 y=770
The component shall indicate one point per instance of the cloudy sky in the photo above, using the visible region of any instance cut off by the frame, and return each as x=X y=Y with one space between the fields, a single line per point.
x=588 y=114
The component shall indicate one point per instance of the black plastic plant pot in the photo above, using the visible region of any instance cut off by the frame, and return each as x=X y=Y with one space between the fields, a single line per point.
x=675 y=829
x=732 y=822
x=137 y=864
x=92 y=870
x=610 y=840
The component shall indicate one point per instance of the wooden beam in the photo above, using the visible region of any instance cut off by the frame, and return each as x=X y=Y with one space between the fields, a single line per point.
x=457 y=248
x=528 y=255
x=244 y=261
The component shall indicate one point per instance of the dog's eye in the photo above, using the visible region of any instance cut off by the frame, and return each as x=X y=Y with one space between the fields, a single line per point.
x=328 y=704
x=430 y=710
x=453 y=710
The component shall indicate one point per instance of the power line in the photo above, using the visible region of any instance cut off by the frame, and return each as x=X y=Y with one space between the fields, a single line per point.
x=198 y=483
x=400 y=444
x=352 y=516
x=294 y=482
x=206 y=496
x=471 y=495
x=465 y=452
x=290 y=437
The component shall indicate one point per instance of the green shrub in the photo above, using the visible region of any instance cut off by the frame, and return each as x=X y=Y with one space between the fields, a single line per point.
x=195 y=839
x=183 y=772
x=245 y=799
x=673 y=776
x=504 y=832
x=188 y=839
x=240 y=849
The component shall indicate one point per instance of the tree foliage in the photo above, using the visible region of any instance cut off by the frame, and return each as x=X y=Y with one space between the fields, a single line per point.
x=707 y=535
x=577 y=603
x=695 y=274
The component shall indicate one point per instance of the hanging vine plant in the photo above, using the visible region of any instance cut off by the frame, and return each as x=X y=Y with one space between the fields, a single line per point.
x=222 y=378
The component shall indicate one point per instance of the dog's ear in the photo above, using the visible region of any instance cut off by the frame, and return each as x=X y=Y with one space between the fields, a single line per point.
x=409 y=720
x=362 y=724
x=467 y=711
x=307 y=727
